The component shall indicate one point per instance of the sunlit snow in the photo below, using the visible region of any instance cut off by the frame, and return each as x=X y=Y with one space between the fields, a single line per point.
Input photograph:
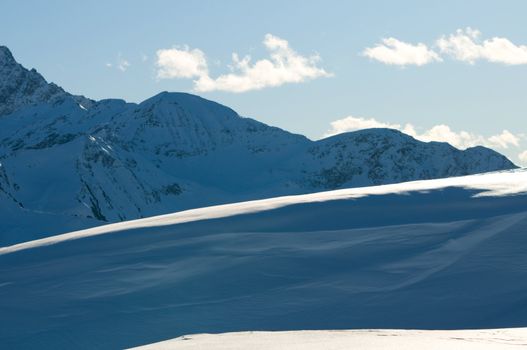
x=392 y=339
x=487 y=185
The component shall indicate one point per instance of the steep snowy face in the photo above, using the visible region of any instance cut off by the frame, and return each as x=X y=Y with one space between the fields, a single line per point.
x=20 y=87
x=181 y=125
x=171 y=152
x=116 y=161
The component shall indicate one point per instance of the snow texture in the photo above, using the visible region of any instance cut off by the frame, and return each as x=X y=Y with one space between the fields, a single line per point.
x=436 y=254
x=371 y=339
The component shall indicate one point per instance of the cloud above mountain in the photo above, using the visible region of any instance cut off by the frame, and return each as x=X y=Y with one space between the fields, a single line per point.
x=465 y=45
x=440 y=133
x=284 y=65
x=523 y=157
x=181 y=63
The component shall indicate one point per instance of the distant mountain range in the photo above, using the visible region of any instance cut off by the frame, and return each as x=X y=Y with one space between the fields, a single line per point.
x=68 y=162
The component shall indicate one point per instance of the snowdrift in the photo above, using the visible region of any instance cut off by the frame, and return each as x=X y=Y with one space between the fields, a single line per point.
x=437 y=254
x=369 y=339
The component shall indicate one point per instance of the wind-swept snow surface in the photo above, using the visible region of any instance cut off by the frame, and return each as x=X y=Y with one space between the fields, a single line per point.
x=491 y=339
x=438 y=254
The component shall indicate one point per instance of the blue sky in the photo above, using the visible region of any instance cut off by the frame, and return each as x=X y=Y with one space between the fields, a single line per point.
x=469 y=89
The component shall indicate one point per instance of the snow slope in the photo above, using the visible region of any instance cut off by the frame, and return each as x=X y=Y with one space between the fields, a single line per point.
x=436 y=254
x=85 y=163
x=393 y=339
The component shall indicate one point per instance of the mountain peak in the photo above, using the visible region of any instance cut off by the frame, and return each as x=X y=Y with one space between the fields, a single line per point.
x=178 y=97
x=367 y=133
x=6 y=57
x=20 y=87
x=195 y=106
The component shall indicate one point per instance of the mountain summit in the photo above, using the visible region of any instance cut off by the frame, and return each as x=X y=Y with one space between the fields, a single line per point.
x=20 y=87
x=68 y=162
x=6 y=57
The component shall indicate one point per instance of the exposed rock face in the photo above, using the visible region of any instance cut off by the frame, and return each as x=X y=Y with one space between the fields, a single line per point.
x=379 y=156
x=20 y=87
x=66 y=158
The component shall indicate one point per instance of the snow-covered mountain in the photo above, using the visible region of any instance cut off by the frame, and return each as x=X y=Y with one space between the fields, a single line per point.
x=68 y=162
x=434 y=254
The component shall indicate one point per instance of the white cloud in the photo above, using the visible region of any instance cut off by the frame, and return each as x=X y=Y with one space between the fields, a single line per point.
x=523 y=157
x=458 y=139
x=284 y=65
x=396 y=52
x=351 y=123
x=121 y=63
x=181 y=63
x=466 y=45
x=439 y=133
x=505 y=139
